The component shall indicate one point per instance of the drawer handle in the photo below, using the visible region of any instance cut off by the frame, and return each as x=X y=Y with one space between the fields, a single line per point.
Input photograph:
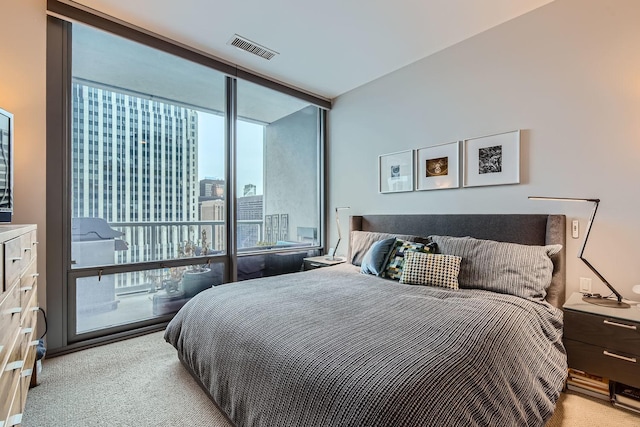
x=27 y=331
x=14 y=365
x=617 y=356
x=15 y=310
x=35 y=275
x=26 y=249
x=14 y=259
x=620 y=325
x=27 y=372
x=34 y=343
x=34 y=308
x=27 y=288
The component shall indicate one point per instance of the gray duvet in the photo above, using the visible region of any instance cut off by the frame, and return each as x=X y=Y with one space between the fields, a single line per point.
x=333 y=347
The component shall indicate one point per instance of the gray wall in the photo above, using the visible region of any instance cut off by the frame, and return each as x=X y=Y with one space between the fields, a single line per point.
x=568 y=75
x=291 y=169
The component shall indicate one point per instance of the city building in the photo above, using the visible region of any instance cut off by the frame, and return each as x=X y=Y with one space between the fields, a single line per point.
x=139 y=153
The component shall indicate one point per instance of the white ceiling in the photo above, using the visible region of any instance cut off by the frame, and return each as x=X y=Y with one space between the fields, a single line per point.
x=325 y=47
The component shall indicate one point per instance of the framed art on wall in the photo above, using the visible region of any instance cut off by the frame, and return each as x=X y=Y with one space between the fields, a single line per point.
x=395 y=172
x=275 y=227
x=284 y=227
x=268 y=232
x=438 y=167
x=492 y=160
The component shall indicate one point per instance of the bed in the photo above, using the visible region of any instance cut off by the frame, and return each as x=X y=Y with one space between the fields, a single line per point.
x=336 y=347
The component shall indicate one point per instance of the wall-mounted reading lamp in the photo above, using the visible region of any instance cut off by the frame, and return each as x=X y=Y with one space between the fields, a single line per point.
x=593 y=299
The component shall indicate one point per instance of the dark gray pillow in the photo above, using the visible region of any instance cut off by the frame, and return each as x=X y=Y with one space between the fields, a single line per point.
x=361 y=241
x=508 y=268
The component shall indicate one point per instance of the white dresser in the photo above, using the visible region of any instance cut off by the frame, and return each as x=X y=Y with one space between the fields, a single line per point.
x=18 y=317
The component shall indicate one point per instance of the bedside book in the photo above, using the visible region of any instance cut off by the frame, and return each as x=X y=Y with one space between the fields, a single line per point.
x=589 y=392
x=627 y=396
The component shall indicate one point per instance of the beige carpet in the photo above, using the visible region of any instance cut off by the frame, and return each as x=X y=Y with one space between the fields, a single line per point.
x=140 y=382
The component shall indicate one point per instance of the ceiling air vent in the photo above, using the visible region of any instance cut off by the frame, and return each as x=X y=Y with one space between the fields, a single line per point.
x=251 y=47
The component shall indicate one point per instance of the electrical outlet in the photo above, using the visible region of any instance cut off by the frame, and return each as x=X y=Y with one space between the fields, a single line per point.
x=585 y=285
x=575 y=228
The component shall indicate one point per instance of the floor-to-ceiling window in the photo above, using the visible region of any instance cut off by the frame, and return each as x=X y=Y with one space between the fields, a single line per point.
x=278 y=179
x=147 y=182
x=176 y=177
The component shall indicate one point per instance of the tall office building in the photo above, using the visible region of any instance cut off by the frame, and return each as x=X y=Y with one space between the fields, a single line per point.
x=213 y=210
x=249 y=214
x=211 y=189
x=250 y=217
x=134 y=160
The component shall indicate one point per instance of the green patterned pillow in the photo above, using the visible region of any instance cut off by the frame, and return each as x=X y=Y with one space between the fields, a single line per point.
x=431 y=269
x=395 y=262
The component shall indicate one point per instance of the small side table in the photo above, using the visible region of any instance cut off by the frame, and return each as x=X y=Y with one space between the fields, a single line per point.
x=603 y=341
x=312 y=263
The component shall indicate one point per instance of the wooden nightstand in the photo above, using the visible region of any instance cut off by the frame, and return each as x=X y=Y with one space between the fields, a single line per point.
x=312 y=263
x=603 y=341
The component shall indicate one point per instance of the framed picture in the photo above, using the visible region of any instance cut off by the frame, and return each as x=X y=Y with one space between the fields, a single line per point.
x=284 y=227
x=275 y=228
x=395 y=172
x=438 y=167
x=268 y=233
x=492 y=160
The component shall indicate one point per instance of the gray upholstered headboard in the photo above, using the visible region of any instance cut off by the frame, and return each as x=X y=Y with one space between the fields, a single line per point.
x=526 y=229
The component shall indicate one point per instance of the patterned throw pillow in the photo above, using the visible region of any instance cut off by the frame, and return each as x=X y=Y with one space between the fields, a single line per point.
x=393 y=270
x=360 y=242
x=431 y=269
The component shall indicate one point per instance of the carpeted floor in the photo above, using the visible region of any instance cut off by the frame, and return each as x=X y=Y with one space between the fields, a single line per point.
x=140 y=382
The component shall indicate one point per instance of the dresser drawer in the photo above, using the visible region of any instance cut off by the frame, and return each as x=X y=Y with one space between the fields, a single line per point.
x=607 y=332
x=13 y=259
x=10 y=310
x=10 y=383
x=28 y=290
x=10 y=372
x=602 y=361
x=28 y=331
x=29 y=275
x=29 y=366
x=33 y=243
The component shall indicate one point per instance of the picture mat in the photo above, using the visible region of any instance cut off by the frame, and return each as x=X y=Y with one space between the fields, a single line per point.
x=404 y=179
x=510 y=174
x=450 y=150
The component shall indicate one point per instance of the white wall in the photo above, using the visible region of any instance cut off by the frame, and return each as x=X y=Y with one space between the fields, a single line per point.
x=568 y=75
x=22 y=92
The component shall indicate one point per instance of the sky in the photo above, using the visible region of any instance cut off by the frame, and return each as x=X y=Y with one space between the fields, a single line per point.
x=250 y=138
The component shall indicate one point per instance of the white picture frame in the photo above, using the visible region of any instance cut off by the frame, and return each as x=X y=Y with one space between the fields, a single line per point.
x=438 y=167
x=492 y=159
x=395 y=172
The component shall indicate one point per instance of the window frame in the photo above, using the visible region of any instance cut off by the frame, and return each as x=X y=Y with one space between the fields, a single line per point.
x=61 y=337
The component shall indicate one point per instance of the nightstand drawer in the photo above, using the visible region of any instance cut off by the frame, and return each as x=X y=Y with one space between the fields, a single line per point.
x=607 y=332
x=615 y=365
